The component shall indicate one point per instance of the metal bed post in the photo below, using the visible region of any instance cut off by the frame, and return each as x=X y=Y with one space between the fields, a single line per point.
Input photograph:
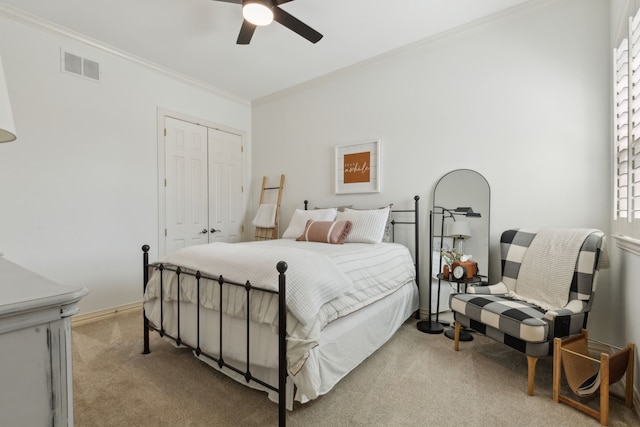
x=282 y=345
x=417 y=249
x=145 y=279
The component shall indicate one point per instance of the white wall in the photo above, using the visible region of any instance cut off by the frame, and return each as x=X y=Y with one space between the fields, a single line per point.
x=523 y=99
x=79 y=186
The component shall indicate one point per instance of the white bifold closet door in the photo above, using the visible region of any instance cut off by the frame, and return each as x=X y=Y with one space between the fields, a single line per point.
x=203 y=185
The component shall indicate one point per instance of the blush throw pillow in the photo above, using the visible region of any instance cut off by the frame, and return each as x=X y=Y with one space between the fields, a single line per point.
x=368 y=225
x=326 y=231
x=300 y=217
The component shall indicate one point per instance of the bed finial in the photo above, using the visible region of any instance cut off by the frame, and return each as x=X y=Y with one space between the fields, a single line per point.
x=145 y=248
x=282 y=267
x=416 y=198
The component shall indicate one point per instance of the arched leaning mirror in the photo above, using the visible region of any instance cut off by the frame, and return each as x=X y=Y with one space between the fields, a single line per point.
x=466 y=195
x=459 y=219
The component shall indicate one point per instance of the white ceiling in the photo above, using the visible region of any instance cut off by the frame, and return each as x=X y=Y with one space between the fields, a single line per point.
x=197 y=38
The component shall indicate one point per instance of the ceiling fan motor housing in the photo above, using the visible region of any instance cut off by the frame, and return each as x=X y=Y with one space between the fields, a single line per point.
x=258 y=12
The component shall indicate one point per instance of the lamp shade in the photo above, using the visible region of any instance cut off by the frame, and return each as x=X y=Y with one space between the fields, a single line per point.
x=7 y=128
x=460 y=230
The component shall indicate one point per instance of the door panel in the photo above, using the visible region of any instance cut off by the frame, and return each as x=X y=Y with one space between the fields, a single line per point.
x=185 y=185
x=225 y=186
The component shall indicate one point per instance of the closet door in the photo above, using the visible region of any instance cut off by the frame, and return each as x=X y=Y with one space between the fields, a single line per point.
x=225 y=186
x=186 y=186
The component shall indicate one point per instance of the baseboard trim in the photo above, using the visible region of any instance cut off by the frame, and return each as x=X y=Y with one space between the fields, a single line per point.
x=82 y=319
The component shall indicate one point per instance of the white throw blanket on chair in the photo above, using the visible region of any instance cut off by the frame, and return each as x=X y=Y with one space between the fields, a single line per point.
x=548 y=265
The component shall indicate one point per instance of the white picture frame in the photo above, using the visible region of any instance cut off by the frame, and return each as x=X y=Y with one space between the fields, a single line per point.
x=357 y=167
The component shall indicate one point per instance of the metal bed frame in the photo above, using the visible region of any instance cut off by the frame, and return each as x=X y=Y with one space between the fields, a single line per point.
x=282 y=317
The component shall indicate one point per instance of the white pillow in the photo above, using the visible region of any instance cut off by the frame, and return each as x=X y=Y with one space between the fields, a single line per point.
x=300 y=217
x=367 y=225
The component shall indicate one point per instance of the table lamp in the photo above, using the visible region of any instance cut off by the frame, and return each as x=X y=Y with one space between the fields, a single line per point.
x=460 y=230
x=7 y=128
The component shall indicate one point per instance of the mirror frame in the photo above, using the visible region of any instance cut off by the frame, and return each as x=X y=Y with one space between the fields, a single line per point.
x=481 y=247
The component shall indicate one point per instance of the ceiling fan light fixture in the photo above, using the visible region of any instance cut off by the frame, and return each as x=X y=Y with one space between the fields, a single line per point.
x=258 y=12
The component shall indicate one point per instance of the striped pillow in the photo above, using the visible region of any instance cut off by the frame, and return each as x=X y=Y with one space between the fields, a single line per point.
x=368 y=225
x=325 y=231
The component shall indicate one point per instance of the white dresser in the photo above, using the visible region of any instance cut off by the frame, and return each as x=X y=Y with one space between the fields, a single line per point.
x=35 y=348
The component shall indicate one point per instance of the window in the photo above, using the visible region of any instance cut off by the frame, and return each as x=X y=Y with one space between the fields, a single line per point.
x=626 y=90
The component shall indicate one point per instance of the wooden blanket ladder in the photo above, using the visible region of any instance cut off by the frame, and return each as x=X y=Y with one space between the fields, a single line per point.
x=270 y=233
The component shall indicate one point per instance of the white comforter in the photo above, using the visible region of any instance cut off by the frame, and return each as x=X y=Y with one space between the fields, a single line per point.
x=324 y=282
x=312 y=279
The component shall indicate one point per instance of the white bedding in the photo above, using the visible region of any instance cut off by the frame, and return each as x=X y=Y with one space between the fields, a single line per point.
x=366 y=272
x=312 y=279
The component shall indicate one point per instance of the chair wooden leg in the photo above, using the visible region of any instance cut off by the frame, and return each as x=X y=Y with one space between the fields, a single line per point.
x=628 y=398
x=531 y=362
x=604 y=389
x=456 y=336
x=557 y=369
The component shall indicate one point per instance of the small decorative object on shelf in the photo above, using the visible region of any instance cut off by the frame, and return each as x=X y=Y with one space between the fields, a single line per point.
x=449 y=256
x=458 y=264
x=466 y=269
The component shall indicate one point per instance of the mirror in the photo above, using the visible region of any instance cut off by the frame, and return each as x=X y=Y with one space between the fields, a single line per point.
x=461 y=201
x=464 y=188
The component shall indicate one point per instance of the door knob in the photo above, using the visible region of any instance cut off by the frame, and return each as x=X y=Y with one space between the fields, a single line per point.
x=213 y=230
x=204 y=231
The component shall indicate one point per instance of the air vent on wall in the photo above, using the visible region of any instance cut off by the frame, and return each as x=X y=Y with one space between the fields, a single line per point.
x=80 y=66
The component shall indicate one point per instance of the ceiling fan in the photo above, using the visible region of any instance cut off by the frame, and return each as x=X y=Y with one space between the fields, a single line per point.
x=263 y=12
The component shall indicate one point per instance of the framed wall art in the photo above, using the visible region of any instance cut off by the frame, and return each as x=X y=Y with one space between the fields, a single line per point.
x=358 y=167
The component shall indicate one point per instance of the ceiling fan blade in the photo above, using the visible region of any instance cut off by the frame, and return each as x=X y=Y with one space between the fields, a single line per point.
x=246 y=32
x=277 y=2
x=295 y=25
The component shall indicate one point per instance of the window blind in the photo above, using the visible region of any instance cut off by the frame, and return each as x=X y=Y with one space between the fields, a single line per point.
x=621 y=156
x=634 y=101
x=626 y=90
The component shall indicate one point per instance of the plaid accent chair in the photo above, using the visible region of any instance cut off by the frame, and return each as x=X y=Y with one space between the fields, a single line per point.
x=526 y=324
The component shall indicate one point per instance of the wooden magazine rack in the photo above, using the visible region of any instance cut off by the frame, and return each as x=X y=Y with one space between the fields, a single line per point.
x=586 y=375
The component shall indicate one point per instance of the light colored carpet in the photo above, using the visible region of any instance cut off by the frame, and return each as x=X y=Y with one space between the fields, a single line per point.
x=415 y=379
